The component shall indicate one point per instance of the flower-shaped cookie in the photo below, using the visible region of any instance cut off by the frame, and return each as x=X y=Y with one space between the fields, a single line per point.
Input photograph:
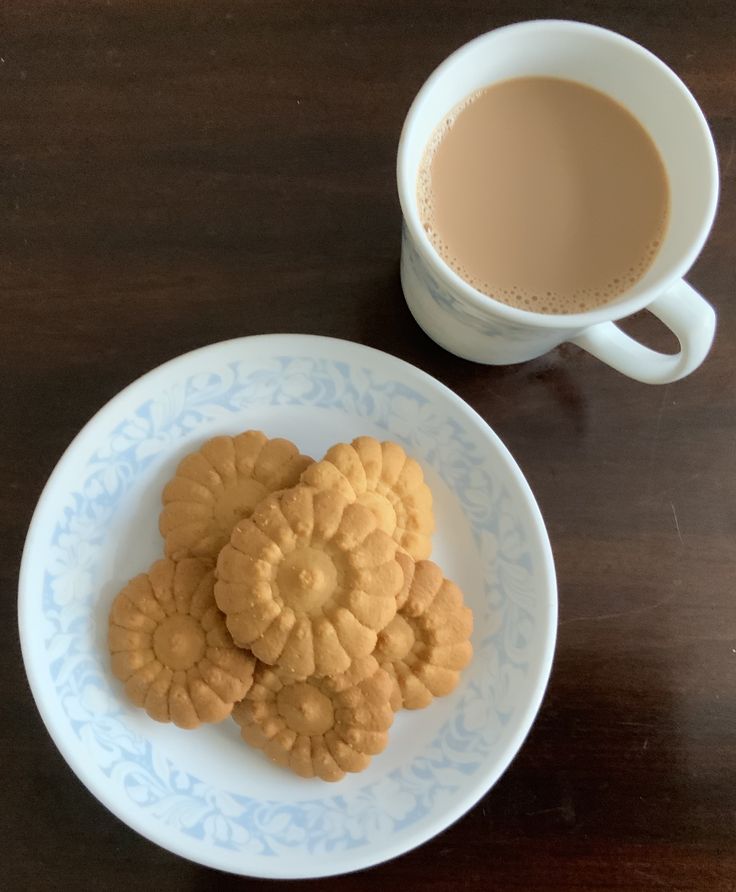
x=308 y=581
x=170 y=646
x=220 y=484
x=427 y=643
x=318 y=727
x=383 y=478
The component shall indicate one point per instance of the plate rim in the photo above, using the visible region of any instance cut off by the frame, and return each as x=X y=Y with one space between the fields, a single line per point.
x=160 y=836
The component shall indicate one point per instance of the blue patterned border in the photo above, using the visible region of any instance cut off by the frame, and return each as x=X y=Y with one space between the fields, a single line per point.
x=507 y=627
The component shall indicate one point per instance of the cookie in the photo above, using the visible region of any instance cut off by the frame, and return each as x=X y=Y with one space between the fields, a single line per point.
x=220 y=484
x=318 y=727
x=308 y=581
x=381 y=477
x=427 y=643
x=171 y=648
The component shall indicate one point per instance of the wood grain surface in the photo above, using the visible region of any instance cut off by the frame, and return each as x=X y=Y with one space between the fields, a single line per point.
x=173 y=174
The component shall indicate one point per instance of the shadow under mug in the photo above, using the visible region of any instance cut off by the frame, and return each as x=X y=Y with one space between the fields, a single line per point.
x=477 y=327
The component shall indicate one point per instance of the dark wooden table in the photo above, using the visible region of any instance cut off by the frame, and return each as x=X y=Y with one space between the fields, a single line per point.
x=174 y=174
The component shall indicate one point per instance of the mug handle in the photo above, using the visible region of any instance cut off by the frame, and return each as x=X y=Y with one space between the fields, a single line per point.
x=690 y=317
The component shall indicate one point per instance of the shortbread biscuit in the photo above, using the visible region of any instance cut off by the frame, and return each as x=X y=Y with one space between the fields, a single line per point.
x=318 y=727
x=427 y=643
x=383 y=478
x=171 y=648
x=308 y=581
x=219 y=485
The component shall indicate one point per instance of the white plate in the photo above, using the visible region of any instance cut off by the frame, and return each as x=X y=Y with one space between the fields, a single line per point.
x=204 y=794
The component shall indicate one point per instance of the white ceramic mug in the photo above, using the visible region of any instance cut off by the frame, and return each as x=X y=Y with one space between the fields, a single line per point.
x=473 y=325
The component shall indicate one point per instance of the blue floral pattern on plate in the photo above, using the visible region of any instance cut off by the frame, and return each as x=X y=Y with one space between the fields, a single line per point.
x=514 y=625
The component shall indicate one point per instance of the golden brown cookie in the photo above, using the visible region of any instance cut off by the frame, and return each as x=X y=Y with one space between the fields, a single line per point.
x=170 y=646
x=427 y=643
x=318 y=727
x=220 y=484
x=308 y=581
x=383 y=478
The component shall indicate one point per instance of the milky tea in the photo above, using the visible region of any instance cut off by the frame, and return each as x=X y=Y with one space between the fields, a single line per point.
x=544 y=194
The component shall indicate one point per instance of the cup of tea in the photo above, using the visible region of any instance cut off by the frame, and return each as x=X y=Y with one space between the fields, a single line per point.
x=555 y=177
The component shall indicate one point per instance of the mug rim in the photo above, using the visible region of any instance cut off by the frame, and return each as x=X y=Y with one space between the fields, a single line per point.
x=406 y=179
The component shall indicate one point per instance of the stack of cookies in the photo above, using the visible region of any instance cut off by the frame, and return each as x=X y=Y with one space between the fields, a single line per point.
x=296 y=596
